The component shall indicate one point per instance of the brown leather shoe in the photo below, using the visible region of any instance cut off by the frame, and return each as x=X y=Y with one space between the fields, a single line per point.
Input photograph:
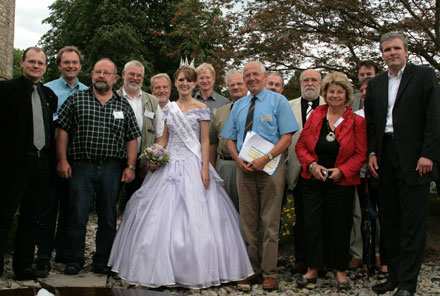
x=250 y=280
x=270 y=283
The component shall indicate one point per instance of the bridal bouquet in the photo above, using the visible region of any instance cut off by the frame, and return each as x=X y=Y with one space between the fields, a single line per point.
x=155 y=154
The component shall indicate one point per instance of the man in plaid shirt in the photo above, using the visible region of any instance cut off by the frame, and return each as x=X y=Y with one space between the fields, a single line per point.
x=97 y=130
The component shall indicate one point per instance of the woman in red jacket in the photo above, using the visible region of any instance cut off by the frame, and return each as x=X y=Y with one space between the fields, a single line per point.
x=332 y=148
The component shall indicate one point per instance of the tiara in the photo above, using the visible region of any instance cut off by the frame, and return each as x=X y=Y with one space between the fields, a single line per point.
x=185 y=64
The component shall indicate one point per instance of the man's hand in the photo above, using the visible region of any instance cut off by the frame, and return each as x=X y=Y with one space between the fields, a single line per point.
x=258 y=163
x=127 y=175
x=244 y=166
x=64 y=170
x=373 y=166
x=424 y=166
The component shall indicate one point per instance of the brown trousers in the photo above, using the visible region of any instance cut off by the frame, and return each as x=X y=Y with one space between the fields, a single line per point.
x=260 y=199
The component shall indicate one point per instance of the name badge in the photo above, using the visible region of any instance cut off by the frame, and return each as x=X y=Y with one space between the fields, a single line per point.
x=149 y=114
x=266 y=117
x=338 y=122
x=118 y=114
x=55 y=116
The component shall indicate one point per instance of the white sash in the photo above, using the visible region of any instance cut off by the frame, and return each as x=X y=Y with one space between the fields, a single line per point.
x=187 y=135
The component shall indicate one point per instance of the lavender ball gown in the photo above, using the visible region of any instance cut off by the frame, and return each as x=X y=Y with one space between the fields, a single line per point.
x=176 y=233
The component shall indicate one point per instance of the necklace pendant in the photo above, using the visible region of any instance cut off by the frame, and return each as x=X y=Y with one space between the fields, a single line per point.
x=330 y=137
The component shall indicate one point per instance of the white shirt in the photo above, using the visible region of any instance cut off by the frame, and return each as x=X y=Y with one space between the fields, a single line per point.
x=136 y=105
x=393 y=87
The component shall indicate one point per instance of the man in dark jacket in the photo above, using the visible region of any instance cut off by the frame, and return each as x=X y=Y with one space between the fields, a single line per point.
x=27 y=111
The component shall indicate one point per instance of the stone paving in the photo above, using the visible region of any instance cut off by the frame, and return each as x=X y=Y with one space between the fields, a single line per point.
x=429 y=279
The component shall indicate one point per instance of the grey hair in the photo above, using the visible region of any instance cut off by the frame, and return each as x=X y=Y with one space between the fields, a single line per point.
x=229 y=73
x=277 y=74
x=134 y=63
x=260 y=64
x=160 y=75
x=393 y=35
x=301 y=76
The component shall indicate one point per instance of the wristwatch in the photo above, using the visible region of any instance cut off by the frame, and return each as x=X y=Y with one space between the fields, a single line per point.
x=131 y=167
x=270 y=156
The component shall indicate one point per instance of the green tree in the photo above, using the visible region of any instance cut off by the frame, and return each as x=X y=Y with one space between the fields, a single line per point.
x=16 y=67
x=332 y=35
x=156 y=32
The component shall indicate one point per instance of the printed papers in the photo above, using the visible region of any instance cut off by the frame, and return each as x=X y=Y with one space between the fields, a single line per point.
x=255 y=146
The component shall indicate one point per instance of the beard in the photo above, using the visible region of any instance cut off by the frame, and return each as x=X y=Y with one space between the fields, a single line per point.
x=131 y=87
x=308 y=94
x=102 y=86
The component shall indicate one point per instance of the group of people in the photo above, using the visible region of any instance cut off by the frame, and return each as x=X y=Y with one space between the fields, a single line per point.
x=209 y=217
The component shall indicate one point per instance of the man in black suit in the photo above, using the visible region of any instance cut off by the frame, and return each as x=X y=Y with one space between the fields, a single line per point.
x=27 y=110
x=402 y=107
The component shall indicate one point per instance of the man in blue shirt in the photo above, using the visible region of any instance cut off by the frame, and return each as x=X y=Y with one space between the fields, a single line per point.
x=69 y=61
x=260 y=196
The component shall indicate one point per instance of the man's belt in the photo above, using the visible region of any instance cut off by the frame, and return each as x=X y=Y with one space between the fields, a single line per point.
x=99 y=161
x=225 y=157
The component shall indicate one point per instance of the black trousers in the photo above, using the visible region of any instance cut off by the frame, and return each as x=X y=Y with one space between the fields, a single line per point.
x=328 y=218
x=404 y=211
x=52 y=235
x=26 y=187
x=298 y=230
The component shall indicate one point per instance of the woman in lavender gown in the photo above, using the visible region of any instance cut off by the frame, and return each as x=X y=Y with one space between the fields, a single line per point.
x=181 y=228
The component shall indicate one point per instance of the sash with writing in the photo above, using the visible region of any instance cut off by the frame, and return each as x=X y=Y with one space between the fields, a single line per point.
x=187 y=135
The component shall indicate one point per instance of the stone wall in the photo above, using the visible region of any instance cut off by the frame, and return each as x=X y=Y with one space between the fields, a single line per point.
x=7 y=17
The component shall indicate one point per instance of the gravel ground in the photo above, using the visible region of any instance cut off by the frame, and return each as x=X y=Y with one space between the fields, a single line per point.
x=429 y=278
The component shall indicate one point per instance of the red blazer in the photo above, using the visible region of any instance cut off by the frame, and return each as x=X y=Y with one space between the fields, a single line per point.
x=351 y=134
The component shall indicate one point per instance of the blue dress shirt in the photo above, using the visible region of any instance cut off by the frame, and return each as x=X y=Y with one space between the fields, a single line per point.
x=273 y=117
x=63 y=90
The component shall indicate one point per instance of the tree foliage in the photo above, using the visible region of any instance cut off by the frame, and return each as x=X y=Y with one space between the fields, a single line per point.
x=156 y=32
x=332 y=35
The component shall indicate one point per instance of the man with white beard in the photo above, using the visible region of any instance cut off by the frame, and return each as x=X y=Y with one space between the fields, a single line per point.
x=310 y=81
x=149 y=117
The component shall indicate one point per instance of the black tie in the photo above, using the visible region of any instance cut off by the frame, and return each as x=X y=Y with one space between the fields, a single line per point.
x=249 y=117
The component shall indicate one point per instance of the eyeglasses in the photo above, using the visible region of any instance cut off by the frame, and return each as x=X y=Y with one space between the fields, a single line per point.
x=105 y=73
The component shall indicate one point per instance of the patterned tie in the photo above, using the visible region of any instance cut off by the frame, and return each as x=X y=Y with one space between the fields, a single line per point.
x=37 y=119
x=249 y=117
x=309 y=109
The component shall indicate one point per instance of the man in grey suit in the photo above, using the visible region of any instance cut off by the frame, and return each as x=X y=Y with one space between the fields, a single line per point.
x=402 y=108
x=310 y=81
x=148 y=113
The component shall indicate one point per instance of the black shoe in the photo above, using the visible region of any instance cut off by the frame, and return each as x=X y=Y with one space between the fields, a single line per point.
x=384 y=287
x=24 y=274
x=42 y=269
x=403 y=293
x=101 y=269
x=301 y=281
x=71 y=269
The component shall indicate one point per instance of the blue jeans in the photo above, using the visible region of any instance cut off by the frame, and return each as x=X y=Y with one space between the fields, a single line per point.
x=92 y=181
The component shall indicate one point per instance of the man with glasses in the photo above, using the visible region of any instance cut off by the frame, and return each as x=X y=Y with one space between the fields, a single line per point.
x=69 y=61
x=97 y=130
x=148 y=116
x=26 y=126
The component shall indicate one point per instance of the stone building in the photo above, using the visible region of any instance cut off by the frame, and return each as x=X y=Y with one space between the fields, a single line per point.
x=7 y=17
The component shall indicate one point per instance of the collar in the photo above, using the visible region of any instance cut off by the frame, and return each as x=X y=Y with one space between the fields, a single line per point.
x=212 y=97
x=67 y=85
x=260 y=95
x=399 y=74
x=124 y=93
